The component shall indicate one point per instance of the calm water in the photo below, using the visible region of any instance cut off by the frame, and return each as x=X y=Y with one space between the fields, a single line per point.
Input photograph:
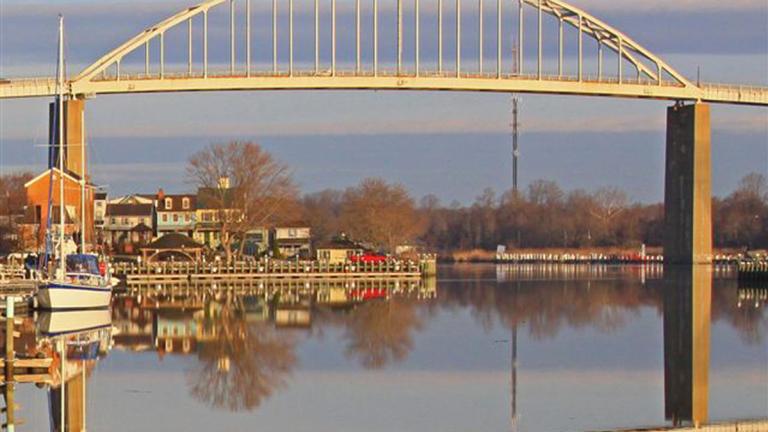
x=485 y=348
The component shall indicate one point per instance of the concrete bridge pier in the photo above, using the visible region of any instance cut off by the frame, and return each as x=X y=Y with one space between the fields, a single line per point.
x=688 y=186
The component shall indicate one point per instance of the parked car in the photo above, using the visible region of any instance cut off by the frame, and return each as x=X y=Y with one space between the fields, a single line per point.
x=368 y=257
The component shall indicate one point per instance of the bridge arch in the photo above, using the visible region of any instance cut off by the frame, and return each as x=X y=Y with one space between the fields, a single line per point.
x=654 y=78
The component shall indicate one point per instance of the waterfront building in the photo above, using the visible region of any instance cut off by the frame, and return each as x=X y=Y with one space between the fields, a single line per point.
x=38 y=190
x=99 y=215
x=212 y=205
x=293 y=239
x=338 y=251
x=128 y=227
x=176 y=213
x=207 y=226
x=256 y=242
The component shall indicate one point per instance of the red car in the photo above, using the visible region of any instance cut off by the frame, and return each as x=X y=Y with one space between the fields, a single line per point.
x=368 y=258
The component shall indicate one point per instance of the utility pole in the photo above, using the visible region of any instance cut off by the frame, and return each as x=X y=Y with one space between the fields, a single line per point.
x=515 y=124
x=515 y=133
x=515 y=138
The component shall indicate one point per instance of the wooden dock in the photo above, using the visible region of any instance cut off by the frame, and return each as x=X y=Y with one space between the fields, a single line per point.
x=259 y=270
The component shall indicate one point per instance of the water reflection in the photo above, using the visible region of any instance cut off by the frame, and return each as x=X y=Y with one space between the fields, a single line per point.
x=56 y=353
x=687 y=315
x=243 y=364
x=244 y=335
x=238 y=346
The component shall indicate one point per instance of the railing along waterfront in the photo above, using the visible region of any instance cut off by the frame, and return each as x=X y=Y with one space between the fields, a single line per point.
x=595 y=258
x=271 y=269
x=11 y=272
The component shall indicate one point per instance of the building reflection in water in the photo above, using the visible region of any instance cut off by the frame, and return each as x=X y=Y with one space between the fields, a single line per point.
x=244 y=334
x=687 y=314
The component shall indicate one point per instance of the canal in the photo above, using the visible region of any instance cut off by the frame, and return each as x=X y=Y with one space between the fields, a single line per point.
x=482 y=348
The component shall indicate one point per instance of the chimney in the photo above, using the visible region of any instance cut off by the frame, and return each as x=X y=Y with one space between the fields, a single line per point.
x=160 y=194
x=223 y=182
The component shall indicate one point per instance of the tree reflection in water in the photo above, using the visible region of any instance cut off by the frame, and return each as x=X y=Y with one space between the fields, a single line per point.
x=381 y=332
x=241 y=367
x=242 y=362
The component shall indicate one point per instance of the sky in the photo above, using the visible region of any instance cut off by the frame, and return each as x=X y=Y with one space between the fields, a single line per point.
x=448 y=143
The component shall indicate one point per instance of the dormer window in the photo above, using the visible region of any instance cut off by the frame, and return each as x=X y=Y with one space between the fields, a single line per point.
x=168 y=203
x=185 y=203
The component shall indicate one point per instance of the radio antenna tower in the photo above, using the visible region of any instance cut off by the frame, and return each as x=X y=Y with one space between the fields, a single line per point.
x=515 y=124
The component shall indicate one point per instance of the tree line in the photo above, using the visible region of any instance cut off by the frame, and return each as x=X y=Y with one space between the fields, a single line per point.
x=542 y=216
x=250 y=189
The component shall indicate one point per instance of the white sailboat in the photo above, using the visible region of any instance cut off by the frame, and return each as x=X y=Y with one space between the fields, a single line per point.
x=77 y=282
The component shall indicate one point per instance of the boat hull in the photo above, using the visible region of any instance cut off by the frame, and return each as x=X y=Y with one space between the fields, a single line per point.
x=52 y=323
x=60 y=296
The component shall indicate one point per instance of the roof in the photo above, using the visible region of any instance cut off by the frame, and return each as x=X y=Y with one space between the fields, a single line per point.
x=177 y=202
x=129 y=210
x=343 y=244
x=293 y=224
x=132 y=199
x=174 y=241
x=208 y=198
x=142 y=227
x=67 y=175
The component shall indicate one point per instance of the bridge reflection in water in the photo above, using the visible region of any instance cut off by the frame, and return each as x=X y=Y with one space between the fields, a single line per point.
x=687 y=317
x=245 y=338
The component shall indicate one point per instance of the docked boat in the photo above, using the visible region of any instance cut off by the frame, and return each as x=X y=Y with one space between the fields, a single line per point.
x=82 y=287
x=71 y=280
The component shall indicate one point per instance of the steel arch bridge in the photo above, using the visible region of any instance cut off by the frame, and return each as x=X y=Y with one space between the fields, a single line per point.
x=449 y=48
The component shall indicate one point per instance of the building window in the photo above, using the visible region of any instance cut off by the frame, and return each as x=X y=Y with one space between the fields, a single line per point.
x=168 y=203
x=125 y=221
x=175 y=217
x=165 y=217
x=112 y=221
x=187 y=217
x=292 y=232
x=207 y=217
x=185 y=203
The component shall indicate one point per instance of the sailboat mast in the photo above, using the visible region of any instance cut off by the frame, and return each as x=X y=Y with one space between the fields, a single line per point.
x=62 y=258
x=82 y=186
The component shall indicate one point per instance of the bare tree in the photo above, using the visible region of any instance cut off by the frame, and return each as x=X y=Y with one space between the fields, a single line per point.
x=13 y=199
x=246 y=186
x=322 y=210
x=381 y=213
x=609 y=202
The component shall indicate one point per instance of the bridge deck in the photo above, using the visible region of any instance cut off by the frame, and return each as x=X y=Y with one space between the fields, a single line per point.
x=383 y=80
